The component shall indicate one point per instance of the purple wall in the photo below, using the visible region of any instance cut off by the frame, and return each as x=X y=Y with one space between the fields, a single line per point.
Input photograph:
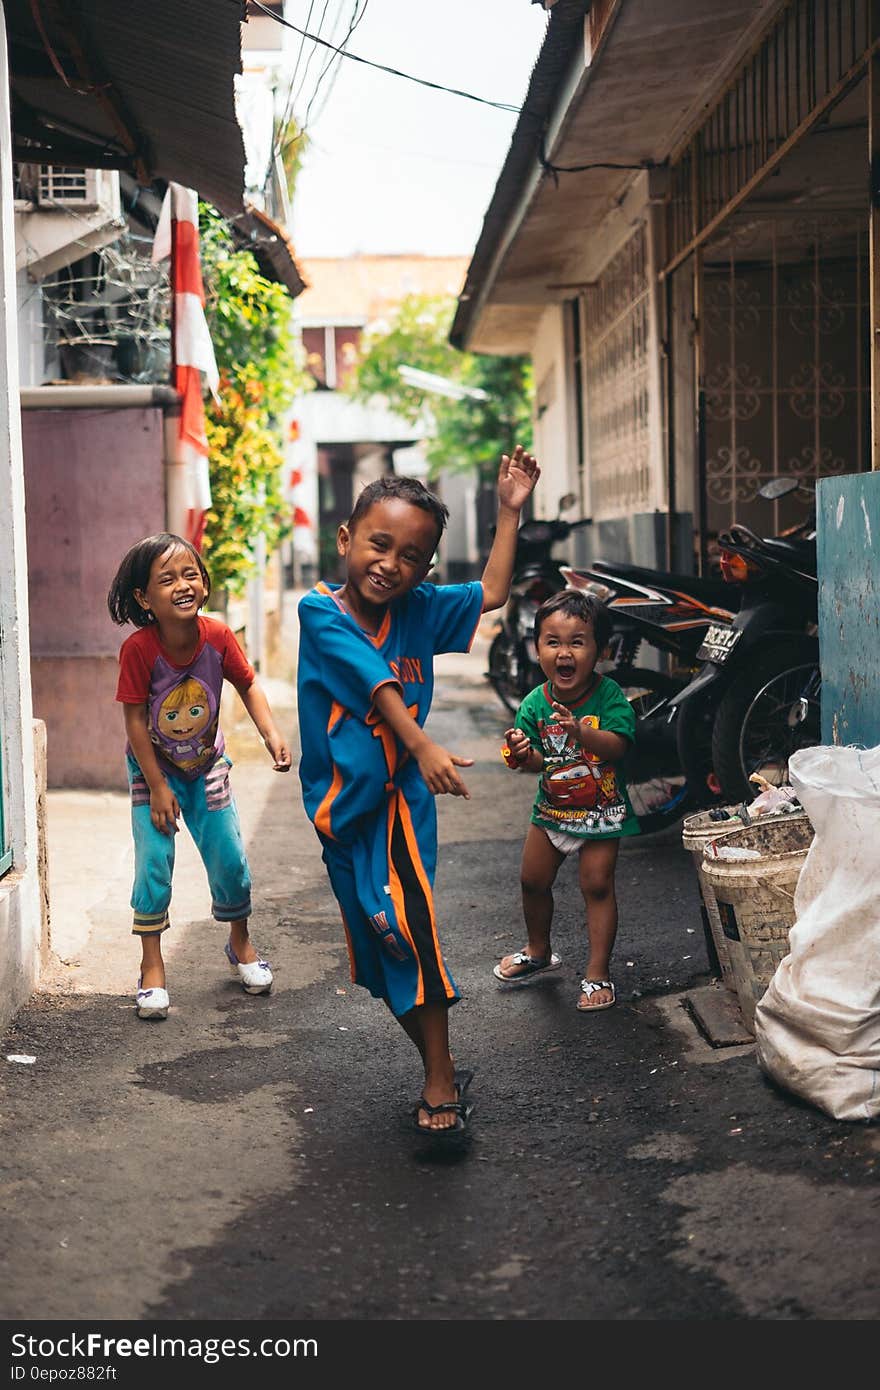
x=93 y=486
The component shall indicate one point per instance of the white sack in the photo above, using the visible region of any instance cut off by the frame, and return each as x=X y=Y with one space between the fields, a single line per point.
x=817 y=1028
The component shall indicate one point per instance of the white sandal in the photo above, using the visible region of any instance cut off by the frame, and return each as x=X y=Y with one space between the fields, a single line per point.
x=588 y=989
x=532 y=966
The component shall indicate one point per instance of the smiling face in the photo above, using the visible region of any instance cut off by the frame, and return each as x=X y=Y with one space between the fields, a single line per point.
x=175 y=590
x=185 y=711
x=568 y=653
x=387 y=552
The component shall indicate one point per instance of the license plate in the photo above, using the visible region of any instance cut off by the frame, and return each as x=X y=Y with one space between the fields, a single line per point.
x=718 y=643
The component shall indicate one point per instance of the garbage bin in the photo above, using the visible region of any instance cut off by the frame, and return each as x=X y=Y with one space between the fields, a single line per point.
x=696 y=832
x=753 y=872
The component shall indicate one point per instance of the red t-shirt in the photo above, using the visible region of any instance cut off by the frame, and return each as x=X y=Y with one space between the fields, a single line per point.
x=183 y=702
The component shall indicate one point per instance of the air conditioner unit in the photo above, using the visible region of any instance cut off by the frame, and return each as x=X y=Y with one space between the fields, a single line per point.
x=66 y=186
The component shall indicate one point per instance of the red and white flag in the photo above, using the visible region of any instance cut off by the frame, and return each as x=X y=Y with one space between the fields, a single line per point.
x=192 y=352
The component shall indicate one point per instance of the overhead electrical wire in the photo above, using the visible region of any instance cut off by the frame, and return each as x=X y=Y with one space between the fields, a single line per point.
x=357 y=15
x=313 y=50
x=381 y=67
x=278 y=149
x=288 y=100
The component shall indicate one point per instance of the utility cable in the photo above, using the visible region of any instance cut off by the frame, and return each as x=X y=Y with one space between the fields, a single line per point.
x=352 y=25
x=381 y=67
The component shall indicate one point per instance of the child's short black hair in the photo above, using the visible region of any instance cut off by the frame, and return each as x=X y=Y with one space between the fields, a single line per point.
x=575 y=603
x=408 y=490
x=134 y=573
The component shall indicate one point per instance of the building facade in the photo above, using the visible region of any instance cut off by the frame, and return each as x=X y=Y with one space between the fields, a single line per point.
x=682 y=238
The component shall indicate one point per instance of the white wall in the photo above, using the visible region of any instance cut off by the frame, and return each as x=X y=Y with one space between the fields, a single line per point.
x=19 y=889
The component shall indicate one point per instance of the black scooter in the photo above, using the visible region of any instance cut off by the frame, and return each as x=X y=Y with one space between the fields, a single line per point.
x=669 y=612
x=755 y=698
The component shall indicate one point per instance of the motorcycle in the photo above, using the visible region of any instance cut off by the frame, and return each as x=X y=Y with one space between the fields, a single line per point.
x=755 y=698
x=669 y=612
x=513 y=661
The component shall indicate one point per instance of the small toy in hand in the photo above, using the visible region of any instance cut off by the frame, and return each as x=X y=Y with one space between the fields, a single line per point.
x=515 y=749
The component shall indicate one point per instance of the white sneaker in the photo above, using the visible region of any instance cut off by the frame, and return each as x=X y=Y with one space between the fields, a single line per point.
x=255 y=975
x=152 y=1003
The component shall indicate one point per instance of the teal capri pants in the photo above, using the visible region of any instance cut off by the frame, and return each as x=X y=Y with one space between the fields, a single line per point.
x=211 y=817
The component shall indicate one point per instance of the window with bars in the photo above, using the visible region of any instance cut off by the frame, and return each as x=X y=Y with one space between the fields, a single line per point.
x=786 y=371
x=616 y=312
x=813 y=50
x=48 y=186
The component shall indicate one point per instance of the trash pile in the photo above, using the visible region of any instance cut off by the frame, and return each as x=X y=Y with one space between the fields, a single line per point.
x=770 y=800
x=748 y=860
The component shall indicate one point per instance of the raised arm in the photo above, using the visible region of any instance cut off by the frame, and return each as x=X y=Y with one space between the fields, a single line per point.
x=516 y=480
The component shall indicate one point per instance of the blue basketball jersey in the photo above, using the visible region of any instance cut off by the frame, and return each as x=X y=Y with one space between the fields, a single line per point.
x=350 y=757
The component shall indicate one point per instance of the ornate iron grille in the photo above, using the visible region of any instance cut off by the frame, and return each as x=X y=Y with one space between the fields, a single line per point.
x=786 y=373
x=616 y=309
x=814 y=50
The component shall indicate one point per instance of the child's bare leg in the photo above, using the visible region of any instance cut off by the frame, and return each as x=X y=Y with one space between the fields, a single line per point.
x=413 y=1029
x=152 y=964
x=540 y=865
x=428 y=1027
x=596 y=865
x=241 y=942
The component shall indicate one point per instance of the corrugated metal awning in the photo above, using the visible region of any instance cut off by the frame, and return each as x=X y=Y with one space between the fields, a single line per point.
x=124 y=84
x=273 y=250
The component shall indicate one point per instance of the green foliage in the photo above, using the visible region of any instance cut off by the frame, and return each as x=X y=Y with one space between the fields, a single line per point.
x=249 y=319
x=466 y=434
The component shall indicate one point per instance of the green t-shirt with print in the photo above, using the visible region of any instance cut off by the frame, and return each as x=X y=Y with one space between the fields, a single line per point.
x=579 y=794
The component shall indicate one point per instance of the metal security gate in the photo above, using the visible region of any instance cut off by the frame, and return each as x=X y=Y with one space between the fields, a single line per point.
x=786 y=363
x=813 y=53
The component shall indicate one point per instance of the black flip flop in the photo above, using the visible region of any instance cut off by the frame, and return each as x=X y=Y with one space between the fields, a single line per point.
x=461 y=1108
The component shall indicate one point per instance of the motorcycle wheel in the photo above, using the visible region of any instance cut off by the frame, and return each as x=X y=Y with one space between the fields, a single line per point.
x=656 y=784
x=509 y=683
x=769 y=712
x=694 y=723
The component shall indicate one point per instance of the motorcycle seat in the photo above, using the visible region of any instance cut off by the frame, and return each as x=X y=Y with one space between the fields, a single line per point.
x=796 y=554
x=711 y=591
x=800 y=553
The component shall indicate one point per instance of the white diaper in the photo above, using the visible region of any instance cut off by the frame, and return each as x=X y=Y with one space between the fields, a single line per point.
x=561 y=840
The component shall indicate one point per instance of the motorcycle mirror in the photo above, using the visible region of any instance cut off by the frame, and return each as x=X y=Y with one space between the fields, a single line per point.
x=567 y=500
x=778 y=487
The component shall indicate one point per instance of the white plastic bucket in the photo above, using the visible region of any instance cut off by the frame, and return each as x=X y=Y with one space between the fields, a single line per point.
x=754 y=898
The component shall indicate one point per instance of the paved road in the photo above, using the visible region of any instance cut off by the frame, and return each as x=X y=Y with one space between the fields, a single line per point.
x=252 y=1159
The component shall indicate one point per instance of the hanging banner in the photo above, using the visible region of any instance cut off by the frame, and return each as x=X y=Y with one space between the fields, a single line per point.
x=192 y=353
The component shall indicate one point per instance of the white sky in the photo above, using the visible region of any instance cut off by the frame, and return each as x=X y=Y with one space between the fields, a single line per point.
x=394 y=167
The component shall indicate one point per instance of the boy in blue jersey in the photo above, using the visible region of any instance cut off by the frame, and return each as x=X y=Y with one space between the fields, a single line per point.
x=370 y=773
